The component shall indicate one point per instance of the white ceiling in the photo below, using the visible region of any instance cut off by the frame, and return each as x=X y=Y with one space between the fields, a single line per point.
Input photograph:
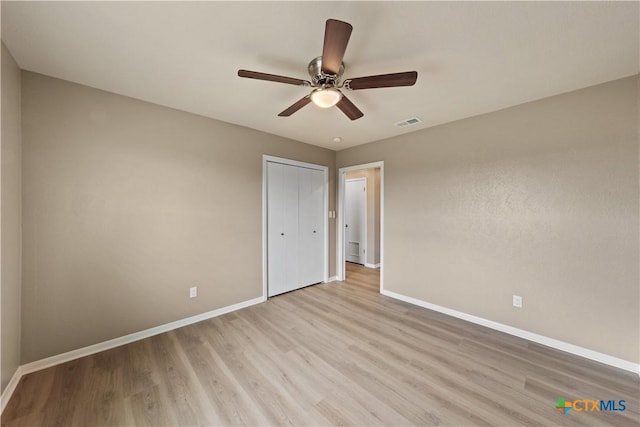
x=471 y=57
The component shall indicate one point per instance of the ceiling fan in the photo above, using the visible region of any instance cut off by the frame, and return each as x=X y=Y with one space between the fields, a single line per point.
x=326 y=72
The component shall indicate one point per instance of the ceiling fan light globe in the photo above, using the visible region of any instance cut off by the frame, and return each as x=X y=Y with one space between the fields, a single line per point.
x=326 y=97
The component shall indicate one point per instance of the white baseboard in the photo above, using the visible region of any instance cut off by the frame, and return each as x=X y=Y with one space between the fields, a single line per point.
x=366 y=264
x=332 y=279
x=136 y=336
x=540 y=339
x=10 y=388
x=116 y=342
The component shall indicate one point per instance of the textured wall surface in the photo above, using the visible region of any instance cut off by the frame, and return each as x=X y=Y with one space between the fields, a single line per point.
x=127 y=205
x=11 y=231
x=539 y=200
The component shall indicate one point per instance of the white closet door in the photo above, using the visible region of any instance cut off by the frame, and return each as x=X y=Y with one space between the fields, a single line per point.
x=282 y=225
x=311 y=226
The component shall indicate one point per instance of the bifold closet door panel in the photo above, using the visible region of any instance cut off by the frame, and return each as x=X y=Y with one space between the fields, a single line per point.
x=282 y=228
x=311 y=226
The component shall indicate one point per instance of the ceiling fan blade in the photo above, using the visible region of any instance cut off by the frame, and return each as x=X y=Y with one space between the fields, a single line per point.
x=336 y=38
x=272 y=78
x=349 y=108
x=383 y=80
x=295 y=107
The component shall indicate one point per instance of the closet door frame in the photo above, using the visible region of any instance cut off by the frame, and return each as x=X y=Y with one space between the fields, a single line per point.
x=325 y=203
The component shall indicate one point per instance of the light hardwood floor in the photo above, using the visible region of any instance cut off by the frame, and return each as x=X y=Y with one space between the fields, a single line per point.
x=335 y=354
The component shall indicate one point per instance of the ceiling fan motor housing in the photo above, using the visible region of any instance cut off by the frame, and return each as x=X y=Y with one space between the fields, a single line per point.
x=319 y=78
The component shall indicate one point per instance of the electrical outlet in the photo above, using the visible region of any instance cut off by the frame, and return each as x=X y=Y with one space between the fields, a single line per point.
x=517 y=301
x=193 y=292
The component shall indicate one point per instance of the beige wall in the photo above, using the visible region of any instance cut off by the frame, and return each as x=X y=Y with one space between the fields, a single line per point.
x=127 y=205
x=10 y=216
x=373 y=211
x=539 y=200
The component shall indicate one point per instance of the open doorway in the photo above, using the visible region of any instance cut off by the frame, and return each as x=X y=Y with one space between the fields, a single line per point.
x=356 y=210
x=360 y=219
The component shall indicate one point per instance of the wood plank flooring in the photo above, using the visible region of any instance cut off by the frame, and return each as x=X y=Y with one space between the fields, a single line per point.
x=335 y=354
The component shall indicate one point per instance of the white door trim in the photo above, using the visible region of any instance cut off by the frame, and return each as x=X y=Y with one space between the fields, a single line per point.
x=340 y=255
x=266 y=158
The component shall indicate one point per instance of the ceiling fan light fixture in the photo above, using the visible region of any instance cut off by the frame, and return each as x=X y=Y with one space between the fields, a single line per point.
x=326 y=97
x=326 y=73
